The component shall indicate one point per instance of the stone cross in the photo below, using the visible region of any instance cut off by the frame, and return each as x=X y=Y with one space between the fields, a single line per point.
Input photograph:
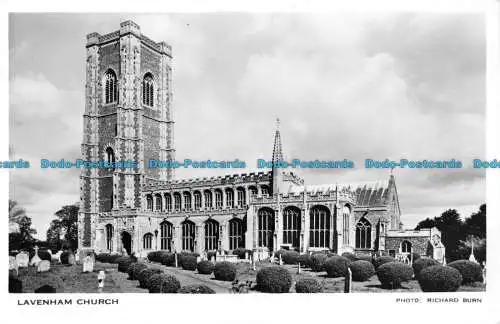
x=36 y=259
x=22 y=259
x=348 y=281
x=88 y=264
x=43 y=266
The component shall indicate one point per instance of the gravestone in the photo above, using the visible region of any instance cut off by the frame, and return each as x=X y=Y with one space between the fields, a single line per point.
x=281 y=261
x=198 y=259
x=298 y=267
x=100 y=280
x=22 y=259
x=43 y=266
x=13 y=265
x=484 y=272
x=77 y=257
x=71 y=259
x=88 y=264
x=212 y=259
x=57 y=256
x=348 y=281
x=176 y=260
x=272 y=258
x=35 y=260
x=246 y=255
x=253 y=264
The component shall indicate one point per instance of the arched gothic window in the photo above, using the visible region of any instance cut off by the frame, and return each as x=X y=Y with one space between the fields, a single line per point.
x=406 y=247
x=346 y=223
x=229 y=198
x=148 y=90
x=236 y=233
x=266 y=228
x=149 y=202
x=110 y=87
x=148 y=241
x=188 y=234
x=291 y=226
x=208 y=199
x=168 y=202
x=241 y=197
x=158 y=202
x=363 y=234
x=166 y=236
x=197 y=200
x=110 y=156
x=177 y=201
x=211 y=235
x=319 y=225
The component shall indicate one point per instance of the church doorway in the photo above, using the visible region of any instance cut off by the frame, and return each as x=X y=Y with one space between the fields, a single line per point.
x=127 y=242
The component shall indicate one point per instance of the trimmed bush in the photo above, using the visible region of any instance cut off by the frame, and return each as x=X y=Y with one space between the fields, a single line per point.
x=144 y=275
x=102 y=257
x=290 y=257
x=196 y=289
x=421 y=264
x=382 y=260
x=45 y=289
x=42 y=254
x=336 y=266
x=392 y=274
x=416 y=256
x=134 y=269
x=305 y=260
x=124 y=264
x=15 y=285
x=362 y=270
x=163 y=284
x=66 y=257
x=240 y=252
x=211 y=254
x=167 y=259
x=350 y=256
x=225 y=271
x=318 y=261
x=470 y=271
x=274 y=279
x=188 y=262
x=114 y=258
x=365 y=257
x=308 y=286
x=205 y=267
x=440 y=278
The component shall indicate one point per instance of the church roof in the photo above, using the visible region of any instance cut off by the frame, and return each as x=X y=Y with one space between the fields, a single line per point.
x=368 y=193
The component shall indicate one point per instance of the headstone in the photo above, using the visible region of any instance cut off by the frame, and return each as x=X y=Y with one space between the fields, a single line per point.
x=272 y=258
x=88 y=264
x=22 y=259
x=212 y=259
x=253 y=264
x=124 y=251
x=100 y=280
x=246 y=255
x=484 y=272
x=35 y=260
x=13 y=265
x=348 y=281
x=298 y=267
x=71 y=258
x=198 y=259
x=77 y=257
x=57 y=256
x=281 y=261
x=43 y=266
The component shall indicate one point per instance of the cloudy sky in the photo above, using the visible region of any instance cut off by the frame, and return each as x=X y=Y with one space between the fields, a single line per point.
x=351 y=86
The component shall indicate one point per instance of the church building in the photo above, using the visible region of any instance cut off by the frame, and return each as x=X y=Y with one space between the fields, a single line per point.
x=128 y=116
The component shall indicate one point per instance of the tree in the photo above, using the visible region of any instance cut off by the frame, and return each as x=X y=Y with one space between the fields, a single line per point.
x=64 y=229
x=22 y=236
x=476 y=223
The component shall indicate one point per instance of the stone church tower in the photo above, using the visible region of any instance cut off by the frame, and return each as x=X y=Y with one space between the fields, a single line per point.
x=128 y=116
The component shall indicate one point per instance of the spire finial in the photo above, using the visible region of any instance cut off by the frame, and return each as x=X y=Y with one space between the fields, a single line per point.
x=278 y=123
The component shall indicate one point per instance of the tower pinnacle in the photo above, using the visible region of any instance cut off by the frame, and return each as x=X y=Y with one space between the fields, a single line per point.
x=277 y=150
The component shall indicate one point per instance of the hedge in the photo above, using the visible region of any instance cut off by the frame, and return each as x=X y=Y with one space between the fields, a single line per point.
x=205 y=267
x=305 y=260
x=318 y=261
x=392 y=274
x=134 y=270
x=336 y=266
x=167 y=259
x=308 y=285
x=439 y=278
x=421 y=264
x=124 y=264
x=196 y=289
x=144 y=275
x=15 y=285
x=240 y=252
x=470 y=271
x=350 y=256
x=188 y=262
x=274 y=279
x=163 y=283
x=362 y=270
x=377 y=262
x=290 y=257
x=66 y=256
x=225 y=271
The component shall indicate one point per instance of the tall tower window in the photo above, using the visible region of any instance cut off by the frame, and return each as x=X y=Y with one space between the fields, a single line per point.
x=148 y=90
x=110 y=87
x=109 y=237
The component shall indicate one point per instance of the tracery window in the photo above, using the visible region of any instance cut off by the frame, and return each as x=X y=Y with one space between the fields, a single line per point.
x=319 y=224
x=363 y=234
x=148 y=90
x=110 y=87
